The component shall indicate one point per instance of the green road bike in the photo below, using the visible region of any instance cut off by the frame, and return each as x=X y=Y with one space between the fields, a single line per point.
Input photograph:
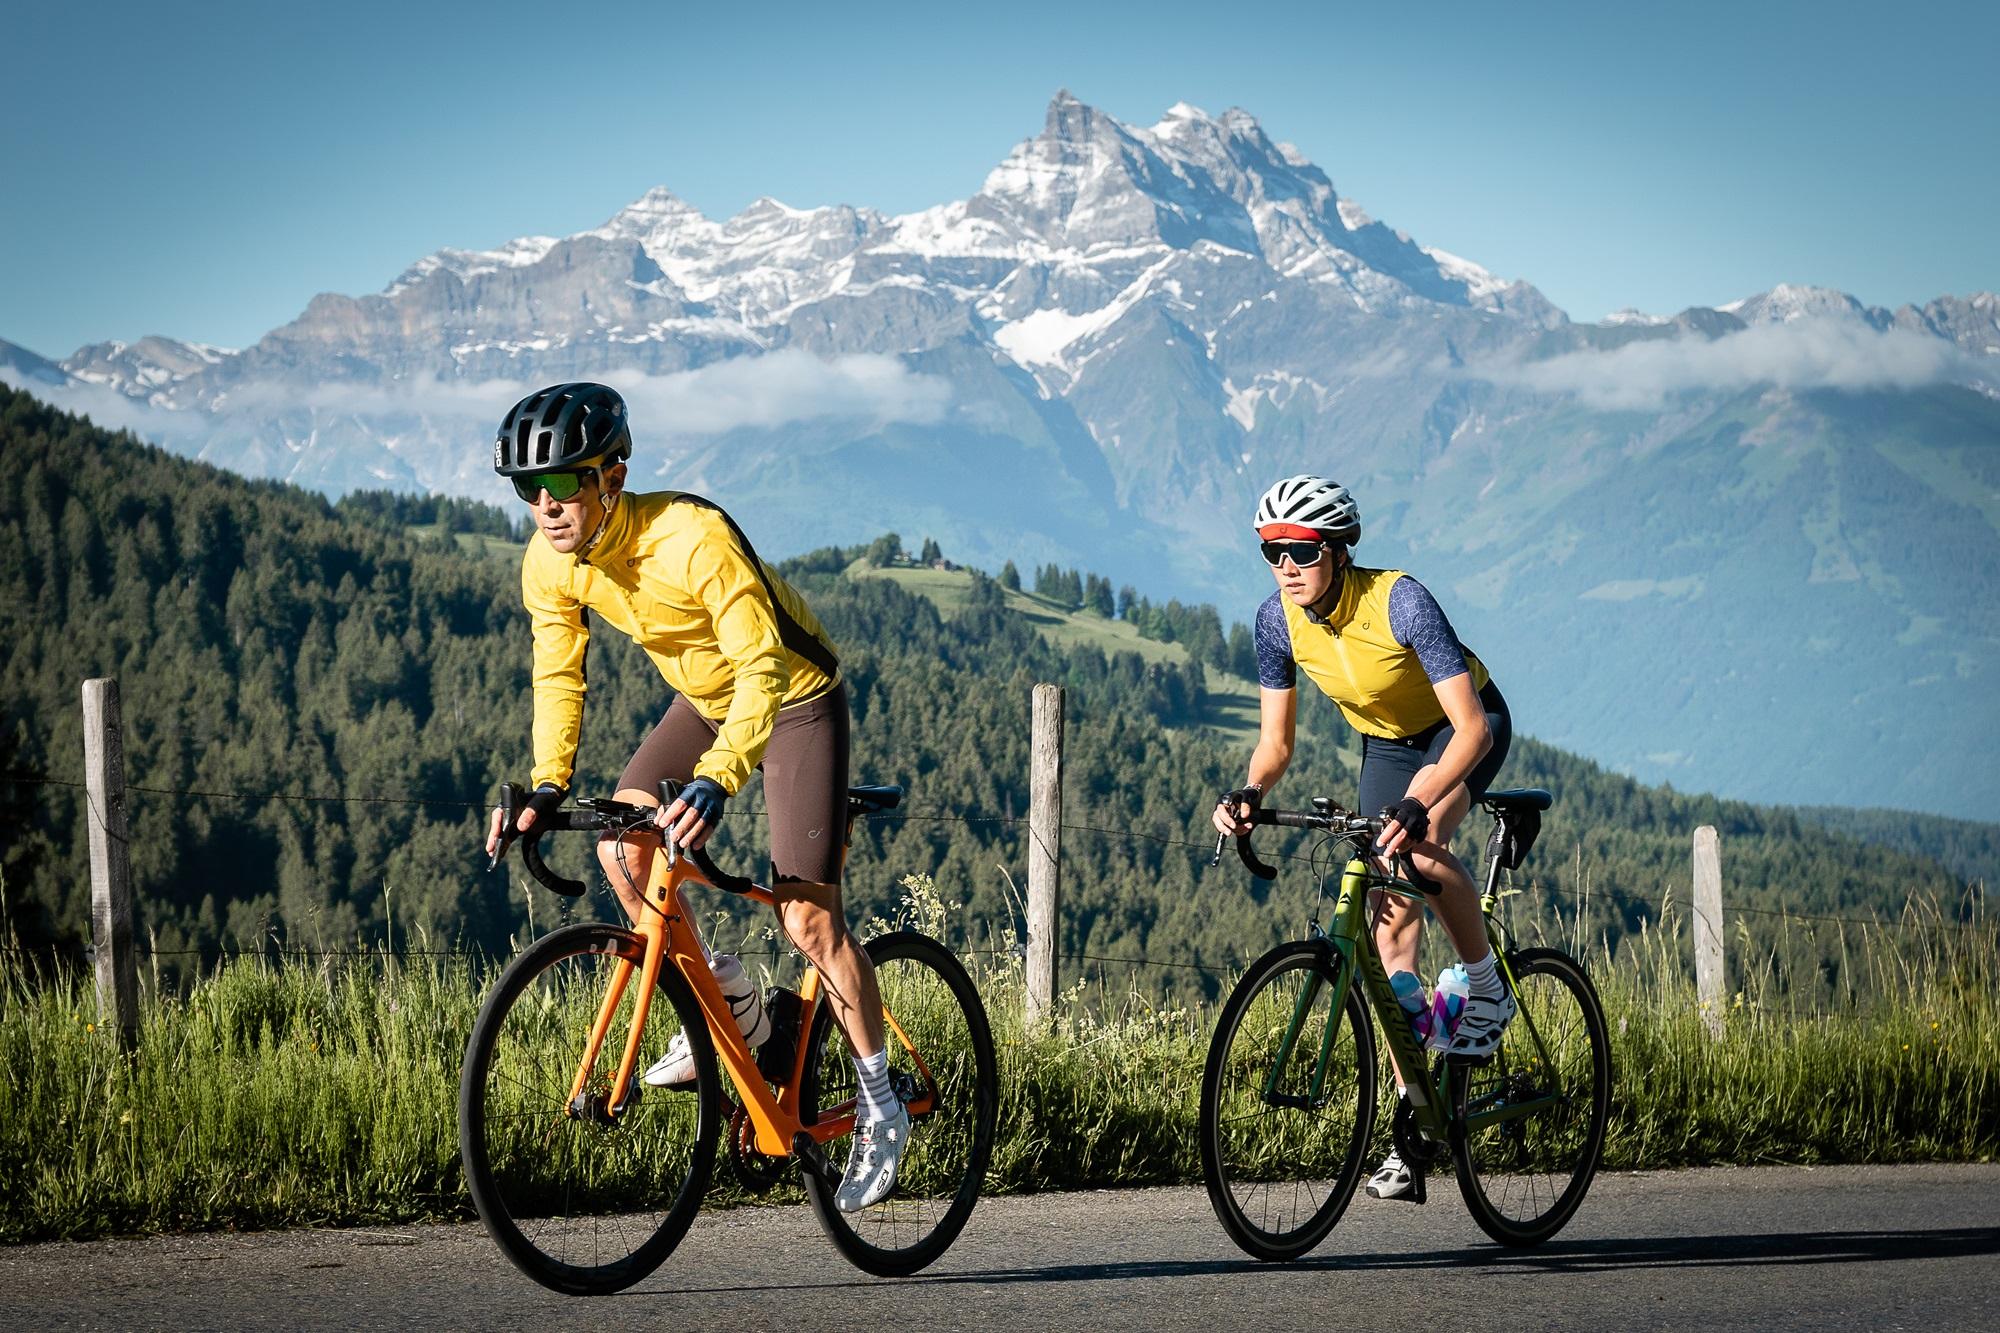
x=1289 y=1093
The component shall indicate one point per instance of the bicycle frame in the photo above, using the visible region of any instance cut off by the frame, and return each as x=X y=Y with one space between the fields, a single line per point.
x=670 y=938
x=1349 y=936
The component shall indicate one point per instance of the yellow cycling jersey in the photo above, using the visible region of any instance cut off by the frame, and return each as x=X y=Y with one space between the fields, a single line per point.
x=1378 y=683
x=674 y=573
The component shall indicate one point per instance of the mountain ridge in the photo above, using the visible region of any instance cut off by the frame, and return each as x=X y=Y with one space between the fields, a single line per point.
x=1134 y=329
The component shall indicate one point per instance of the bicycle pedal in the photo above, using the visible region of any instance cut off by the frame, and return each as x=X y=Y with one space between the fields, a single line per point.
x=810 y=1158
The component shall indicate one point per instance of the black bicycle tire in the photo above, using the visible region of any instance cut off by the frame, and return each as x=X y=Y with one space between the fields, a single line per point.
x=1507 y=1231
x=1291 y=1243
x=902 y=1261
x=487 y=1194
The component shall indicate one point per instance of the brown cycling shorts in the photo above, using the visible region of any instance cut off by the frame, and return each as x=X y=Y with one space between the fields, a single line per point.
x=805 y=778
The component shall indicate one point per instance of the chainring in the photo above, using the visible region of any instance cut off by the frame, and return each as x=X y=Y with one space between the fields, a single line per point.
x=758 y=1172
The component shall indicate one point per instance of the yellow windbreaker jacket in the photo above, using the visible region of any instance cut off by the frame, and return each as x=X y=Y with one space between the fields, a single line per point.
x=676 y=574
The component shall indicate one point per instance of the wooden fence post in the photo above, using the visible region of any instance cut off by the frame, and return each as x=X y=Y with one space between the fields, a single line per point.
x=110 y=863
x=1709 y=982
x=1045 y=852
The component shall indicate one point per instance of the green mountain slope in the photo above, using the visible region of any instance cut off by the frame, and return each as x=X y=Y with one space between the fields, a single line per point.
x=268 y=643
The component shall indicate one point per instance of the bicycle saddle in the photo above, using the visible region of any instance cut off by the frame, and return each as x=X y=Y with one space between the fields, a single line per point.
x=874 y=800
x=1517 y=799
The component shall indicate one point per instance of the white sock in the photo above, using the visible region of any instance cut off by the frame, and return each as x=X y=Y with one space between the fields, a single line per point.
x=877 y=1100
x=1484 y=977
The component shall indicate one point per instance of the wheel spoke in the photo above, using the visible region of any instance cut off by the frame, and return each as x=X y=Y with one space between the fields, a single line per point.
x=1523 y=1177
x=581 y=1202
x=934 y=1005
x=1287 y=1101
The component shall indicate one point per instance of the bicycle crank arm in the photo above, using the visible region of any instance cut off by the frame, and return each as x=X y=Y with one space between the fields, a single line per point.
x=811 y=1159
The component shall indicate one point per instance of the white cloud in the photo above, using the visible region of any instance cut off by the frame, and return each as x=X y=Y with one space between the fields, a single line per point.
x=786 y=386
x=1803 y=354
x=767 y=391
x=112 y=410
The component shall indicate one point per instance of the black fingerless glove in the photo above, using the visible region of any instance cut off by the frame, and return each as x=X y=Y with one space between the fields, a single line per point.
x=1414 y=818
x=548 y=798
x=705 y=797
x=1252 y=796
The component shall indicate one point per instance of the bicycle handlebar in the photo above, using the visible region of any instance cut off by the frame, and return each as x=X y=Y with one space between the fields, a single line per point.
x=1325 y=816
x=596 y=815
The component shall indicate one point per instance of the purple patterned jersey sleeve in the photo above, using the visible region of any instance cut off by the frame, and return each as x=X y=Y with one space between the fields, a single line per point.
x=1275 y=668
x=1418 y=623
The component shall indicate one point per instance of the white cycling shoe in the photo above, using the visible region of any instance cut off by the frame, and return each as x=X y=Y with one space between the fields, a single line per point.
x=872 y=1161
x=1392 y=1179
x=1480 y=1026
x=675 y=1070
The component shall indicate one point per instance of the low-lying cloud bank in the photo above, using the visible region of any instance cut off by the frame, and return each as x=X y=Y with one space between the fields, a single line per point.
x=1804 y=354
x=777 y=389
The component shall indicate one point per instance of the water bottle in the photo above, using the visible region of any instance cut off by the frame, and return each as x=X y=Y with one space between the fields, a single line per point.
x=1447 y=1004
x=1410 y=994
x=746 y=1004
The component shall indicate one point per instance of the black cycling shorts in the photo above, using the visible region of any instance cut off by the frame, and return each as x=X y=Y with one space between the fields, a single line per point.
x=1389 y=766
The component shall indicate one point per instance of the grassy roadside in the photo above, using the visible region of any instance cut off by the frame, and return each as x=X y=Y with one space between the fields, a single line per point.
x=282 y=1092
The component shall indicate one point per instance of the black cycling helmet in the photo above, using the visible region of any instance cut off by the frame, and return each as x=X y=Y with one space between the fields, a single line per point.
x=563 y=426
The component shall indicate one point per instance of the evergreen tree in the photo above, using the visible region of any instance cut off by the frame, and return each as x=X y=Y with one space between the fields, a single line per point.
x=268 y=643
x=885 y=550
x=1010 y=577
x=1097 y=596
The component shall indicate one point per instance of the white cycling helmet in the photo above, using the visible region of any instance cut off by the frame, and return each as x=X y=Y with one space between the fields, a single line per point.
x=1312 y=502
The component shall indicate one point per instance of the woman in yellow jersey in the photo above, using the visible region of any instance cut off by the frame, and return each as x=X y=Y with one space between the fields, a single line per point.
x=756 y=683
x=1434 y=730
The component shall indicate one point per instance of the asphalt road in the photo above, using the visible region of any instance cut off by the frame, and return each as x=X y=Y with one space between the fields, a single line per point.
x=1860 y=1247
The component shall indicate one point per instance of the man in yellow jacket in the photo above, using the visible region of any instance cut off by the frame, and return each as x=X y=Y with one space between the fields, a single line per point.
x=757 y=685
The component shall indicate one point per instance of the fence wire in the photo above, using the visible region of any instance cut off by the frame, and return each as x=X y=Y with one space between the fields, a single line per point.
x=1615 y=899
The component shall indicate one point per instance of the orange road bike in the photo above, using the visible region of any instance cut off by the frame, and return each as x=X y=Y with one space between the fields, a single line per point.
x=587 y=1178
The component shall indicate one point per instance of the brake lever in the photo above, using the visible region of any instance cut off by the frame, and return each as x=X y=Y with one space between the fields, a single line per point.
x=510 y=796
x=1222 y=839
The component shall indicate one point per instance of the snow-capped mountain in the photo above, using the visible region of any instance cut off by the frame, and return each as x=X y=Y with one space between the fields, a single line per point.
x=1108 y=350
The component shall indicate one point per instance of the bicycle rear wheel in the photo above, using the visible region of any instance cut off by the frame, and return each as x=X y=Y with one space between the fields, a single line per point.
x=927 y=994
x=581 y=1202
x=1524 y=1177
x=1287 y=1102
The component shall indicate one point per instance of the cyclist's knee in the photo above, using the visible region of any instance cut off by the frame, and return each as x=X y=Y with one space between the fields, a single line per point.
x=1435 y=869
x=816 y=928
x=625 y=855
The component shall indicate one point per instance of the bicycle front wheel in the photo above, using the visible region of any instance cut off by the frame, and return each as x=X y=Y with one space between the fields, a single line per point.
x=583 y=1201
x=1287 y=1102
x=1528 y=1127
x=940 y=1046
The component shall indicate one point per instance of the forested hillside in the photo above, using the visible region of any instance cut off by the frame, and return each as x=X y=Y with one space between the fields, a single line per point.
x=376 y=677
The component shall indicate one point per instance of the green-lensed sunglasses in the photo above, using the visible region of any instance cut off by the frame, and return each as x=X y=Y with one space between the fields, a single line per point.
x=559 y=485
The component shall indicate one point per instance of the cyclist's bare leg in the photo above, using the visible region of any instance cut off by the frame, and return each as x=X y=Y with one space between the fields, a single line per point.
x=627 y=857
x=1400 y=927
x=811 y=914
x=1457 y=906
x=1457 y=903
x=816 y=923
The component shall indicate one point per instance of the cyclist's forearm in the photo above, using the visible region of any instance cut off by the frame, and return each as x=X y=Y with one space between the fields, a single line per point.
x=1268 y=763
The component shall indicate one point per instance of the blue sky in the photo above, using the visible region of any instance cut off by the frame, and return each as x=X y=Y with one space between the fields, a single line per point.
x=205 y=177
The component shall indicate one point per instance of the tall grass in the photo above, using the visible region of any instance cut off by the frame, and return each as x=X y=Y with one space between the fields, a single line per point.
x=284 y=1092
